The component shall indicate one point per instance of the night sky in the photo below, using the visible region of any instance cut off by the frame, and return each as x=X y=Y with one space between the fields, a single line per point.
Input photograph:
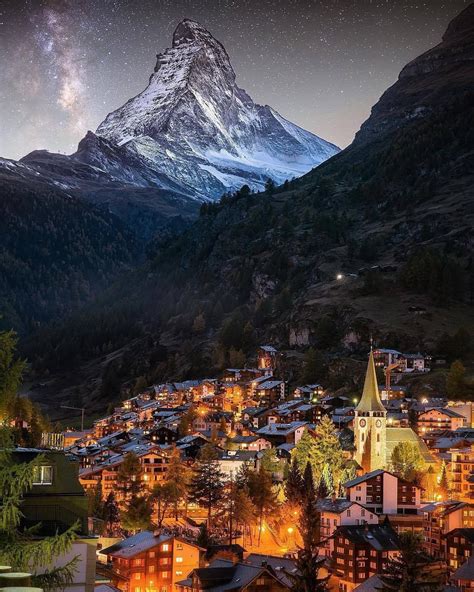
x=65 y=64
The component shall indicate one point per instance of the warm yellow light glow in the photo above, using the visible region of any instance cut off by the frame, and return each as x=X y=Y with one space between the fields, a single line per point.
x=290 y=530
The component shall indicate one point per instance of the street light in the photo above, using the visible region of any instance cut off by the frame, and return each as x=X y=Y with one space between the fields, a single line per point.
x=81 y=409
x=339 y=276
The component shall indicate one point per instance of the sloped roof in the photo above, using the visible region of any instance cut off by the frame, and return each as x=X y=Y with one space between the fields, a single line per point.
x=396 y=435
x=380 y=537
x=138 y=543
x=466 y=571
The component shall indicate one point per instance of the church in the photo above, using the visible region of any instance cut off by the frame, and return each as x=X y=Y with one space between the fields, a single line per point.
x=373 y=440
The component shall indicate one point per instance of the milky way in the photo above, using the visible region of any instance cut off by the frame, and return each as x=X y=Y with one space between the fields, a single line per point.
x=322 y=64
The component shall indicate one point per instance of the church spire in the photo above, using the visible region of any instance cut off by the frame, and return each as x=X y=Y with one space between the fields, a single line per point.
x=370 y=400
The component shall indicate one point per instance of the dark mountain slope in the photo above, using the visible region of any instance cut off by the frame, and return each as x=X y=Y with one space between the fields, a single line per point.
x=56 y=253
x=264 y=266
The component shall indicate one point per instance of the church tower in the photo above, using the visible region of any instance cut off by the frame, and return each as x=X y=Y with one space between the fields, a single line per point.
x=370 y=424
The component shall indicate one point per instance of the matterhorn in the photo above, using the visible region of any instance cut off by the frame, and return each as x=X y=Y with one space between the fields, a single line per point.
x=195 y=127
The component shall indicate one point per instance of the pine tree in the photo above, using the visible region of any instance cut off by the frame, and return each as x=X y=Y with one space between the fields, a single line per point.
x=204 y=539
x=137 y=512
x=129 y=476
x=262 y=494
x=11 y=371
x=306 y=578
x=207 y=483
x=328 y=451
x=412 y=570
x=20 y=547
x=455 y=381
x=305 y=451
x=178 y=476
x=95 y=503
x=111 y=515
x=443 y=486
x=326 y=485
x=294 y=484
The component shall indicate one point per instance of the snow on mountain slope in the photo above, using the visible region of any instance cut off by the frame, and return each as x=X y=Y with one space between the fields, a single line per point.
x=195 y=127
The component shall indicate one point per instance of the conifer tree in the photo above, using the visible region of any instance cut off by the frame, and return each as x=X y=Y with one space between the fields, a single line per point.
x=95 y=503
x=136 y=515
x=207 y=483
x=11 y=371
x=129 y=476
x=328 y=451
x=308 y=564
x=262 y=494
x=294 y=485
x=178 y=477
x=111 y=515
x=443 y=486
x=305 y=451
x=412 y=570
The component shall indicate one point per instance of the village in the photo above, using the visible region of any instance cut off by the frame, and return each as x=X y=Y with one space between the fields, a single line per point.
x=201 y=485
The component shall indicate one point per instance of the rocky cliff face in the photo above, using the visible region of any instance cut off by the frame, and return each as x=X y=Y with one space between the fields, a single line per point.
x=196 y=126
x=429 y=82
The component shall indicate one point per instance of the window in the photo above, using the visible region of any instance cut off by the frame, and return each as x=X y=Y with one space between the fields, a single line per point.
x=137 y=575
x=43 y=475
x=179 y=573
x=165 y=560
x=260 y=581
x=179 y=546
x=179 y=560
x=166 y=575
x=151 y=569
x=165 y=547
x=151 y=554
x=137 y=589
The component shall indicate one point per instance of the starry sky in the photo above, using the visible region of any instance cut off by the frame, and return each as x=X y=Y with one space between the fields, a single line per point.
x=65 y=64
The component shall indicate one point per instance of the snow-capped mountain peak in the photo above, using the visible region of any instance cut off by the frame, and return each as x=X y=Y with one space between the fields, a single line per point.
x=193 y=124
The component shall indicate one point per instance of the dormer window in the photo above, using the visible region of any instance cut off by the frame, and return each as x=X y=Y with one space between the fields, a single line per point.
x=43 y=475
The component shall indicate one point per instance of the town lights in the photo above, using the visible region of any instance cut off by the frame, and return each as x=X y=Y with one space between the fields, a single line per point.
x=339 y=276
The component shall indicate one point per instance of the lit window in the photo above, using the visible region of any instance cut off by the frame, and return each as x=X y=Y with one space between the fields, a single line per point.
x=43 y=475
x=137 y=576
x=179 y=560
x=179 y=573
x=151 y=569
x=166 y=575
x=165 y=547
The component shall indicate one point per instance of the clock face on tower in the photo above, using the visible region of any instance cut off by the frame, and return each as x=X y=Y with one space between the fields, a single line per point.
x=362 y=423
x=378 y=423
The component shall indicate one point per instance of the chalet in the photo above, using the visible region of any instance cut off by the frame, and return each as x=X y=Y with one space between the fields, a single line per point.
x=340 y=512
x=283 y=433
x=384 y=493
x=462 y=472
x=463 y=577
x=148 y=561
x=361 y=552
x=162 y=435
x=439 y=518
x=311 y=392
x=458 y=547
x=439 y=419
x=223 y=575
x=230 y=461
x=253 y=443
x=270 y=391
x=267 y=356
x=153 y=460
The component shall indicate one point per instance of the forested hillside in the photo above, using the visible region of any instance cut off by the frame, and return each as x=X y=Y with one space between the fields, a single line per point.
x=56 y=254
